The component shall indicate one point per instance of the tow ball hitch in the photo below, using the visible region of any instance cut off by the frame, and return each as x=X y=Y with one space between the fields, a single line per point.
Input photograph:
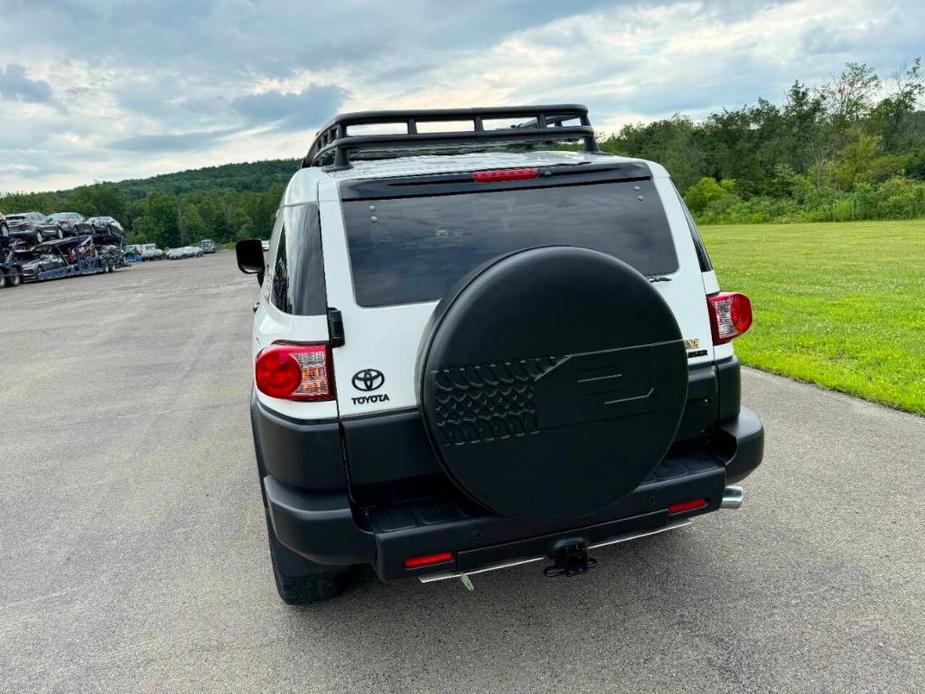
x=570 y=560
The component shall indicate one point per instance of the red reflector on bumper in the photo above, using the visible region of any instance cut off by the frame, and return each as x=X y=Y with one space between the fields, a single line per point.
x=427 y=560
x=687 y=506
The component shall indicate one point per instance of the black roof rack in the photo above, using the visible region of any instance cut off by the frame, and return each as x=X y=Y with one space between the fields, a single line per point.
x=334 y=143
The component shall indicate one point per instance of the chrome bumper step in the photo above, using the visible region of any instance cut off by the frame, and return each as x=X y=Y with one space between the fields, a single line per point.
x=733 y=496
x=460 y=575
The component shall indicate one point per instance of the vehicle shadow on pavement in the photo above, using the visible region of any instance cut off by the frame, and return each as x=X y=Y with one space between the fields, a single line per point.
x=638 y=604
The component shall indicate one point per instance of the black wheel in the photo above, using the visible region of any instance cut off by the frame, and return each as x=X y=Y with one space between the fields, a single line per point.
x=14 y=279
x=301 y=582
x=3 y=280
x=552 y=382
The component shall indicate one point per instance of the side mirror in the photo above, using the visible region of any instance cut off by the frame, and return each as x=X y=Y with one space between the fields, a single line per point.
x=250 y=258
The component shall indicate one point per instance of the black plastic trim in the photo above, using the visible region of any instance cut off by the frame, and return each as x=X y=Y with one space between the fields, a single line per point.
x=325 y=528
x=388 y=447
x=729 y=384
x=744 y=439
x=461 y=182
x=318 y=527
x=307 y=455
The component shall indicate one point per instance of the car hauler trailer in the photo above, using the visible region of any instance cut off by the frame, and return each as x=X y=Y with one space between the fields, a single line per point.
x=10 y=269
x=70 y=257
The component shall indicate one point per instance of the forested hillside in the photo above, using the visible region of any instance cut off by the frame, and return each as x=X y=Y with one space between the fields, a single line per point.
x=849 y=149
x=225 y=202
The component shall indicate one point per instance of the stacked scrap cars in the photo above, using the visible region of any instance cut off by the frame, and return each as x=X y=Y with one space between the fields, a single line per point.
x=33 y=227
x=91 y=246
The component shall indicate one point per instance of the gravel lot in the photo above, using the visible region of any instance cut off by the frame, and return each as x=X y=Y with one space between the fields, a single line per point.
x=133 y=553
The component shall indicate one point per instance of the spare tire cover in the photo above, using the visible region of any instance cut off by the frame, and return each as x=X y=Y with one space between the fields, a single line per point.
x=552 y=382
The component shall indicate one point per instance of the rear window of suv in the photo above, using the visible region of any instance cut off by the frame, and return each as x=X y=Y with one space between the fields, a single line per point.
x=415 y=249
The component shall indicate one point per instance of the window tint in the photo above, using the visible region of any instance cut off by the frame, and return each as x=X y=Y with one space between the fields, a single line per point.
x=279 y=287
x=414 y=249
x=295 y=276
x=703 y=258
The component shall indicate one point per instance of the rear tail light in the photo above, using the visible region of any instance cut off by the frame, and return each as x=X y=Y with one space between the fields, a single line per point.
x=730 y=316
x=295 y=371
x=428 y=560
x=505 y=175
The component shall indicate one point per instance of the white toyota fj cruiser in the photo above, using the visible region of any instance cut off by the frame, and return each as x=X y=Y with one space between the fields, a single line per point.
x=479 y=348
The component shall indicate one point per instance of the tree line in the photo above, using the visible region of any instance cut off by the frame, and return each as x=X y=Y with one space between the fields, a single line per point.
x=224 y=203
x=851 y=148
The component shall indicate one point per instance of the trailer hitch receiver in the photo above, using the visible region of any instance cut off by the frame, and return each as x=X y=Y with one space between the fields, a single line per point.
x=570 y=560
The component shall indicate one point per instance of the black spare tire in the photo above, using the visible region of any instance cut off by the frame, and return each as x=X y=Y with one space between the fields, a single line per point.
x=552 y=382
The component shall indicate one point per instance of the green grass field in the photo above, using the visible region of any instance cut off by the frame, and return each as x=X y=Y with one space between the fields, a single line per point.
x=839 y=305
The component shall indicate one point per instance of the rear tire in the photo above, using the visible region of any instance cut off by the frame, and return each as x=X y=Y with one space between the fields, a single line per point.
x=301 y=582
x=2 y=280
x=14 y=278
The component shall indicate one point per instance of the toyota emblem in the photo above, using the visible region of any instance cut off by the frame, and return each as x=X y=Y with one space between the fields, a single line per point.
x=368 y=379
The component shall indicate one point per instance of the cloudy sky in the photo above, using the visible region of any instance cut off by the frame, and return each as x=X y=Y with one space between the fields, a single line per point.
x=113 y=89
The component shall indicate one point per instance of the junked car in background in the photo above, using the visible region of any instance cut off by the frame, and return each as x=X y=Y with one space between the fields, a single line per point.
x=36 y=261
x=110 y=246
x=183 y=252
x=34 y=227
x=68 y=221
x=150 y=251
x=102 y=225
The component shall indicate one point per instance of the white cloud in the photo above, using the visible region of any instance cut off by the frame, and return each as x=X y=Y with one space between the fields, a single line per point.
x=171 y=84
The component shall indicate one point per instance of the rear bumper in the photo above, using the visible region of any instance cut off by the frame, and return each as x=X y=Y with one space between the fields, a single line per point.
x=327 y=529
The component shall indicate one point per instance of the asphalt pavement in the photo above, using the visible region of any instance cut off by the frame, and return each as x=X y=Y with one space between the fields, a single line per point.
x=133 y=553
